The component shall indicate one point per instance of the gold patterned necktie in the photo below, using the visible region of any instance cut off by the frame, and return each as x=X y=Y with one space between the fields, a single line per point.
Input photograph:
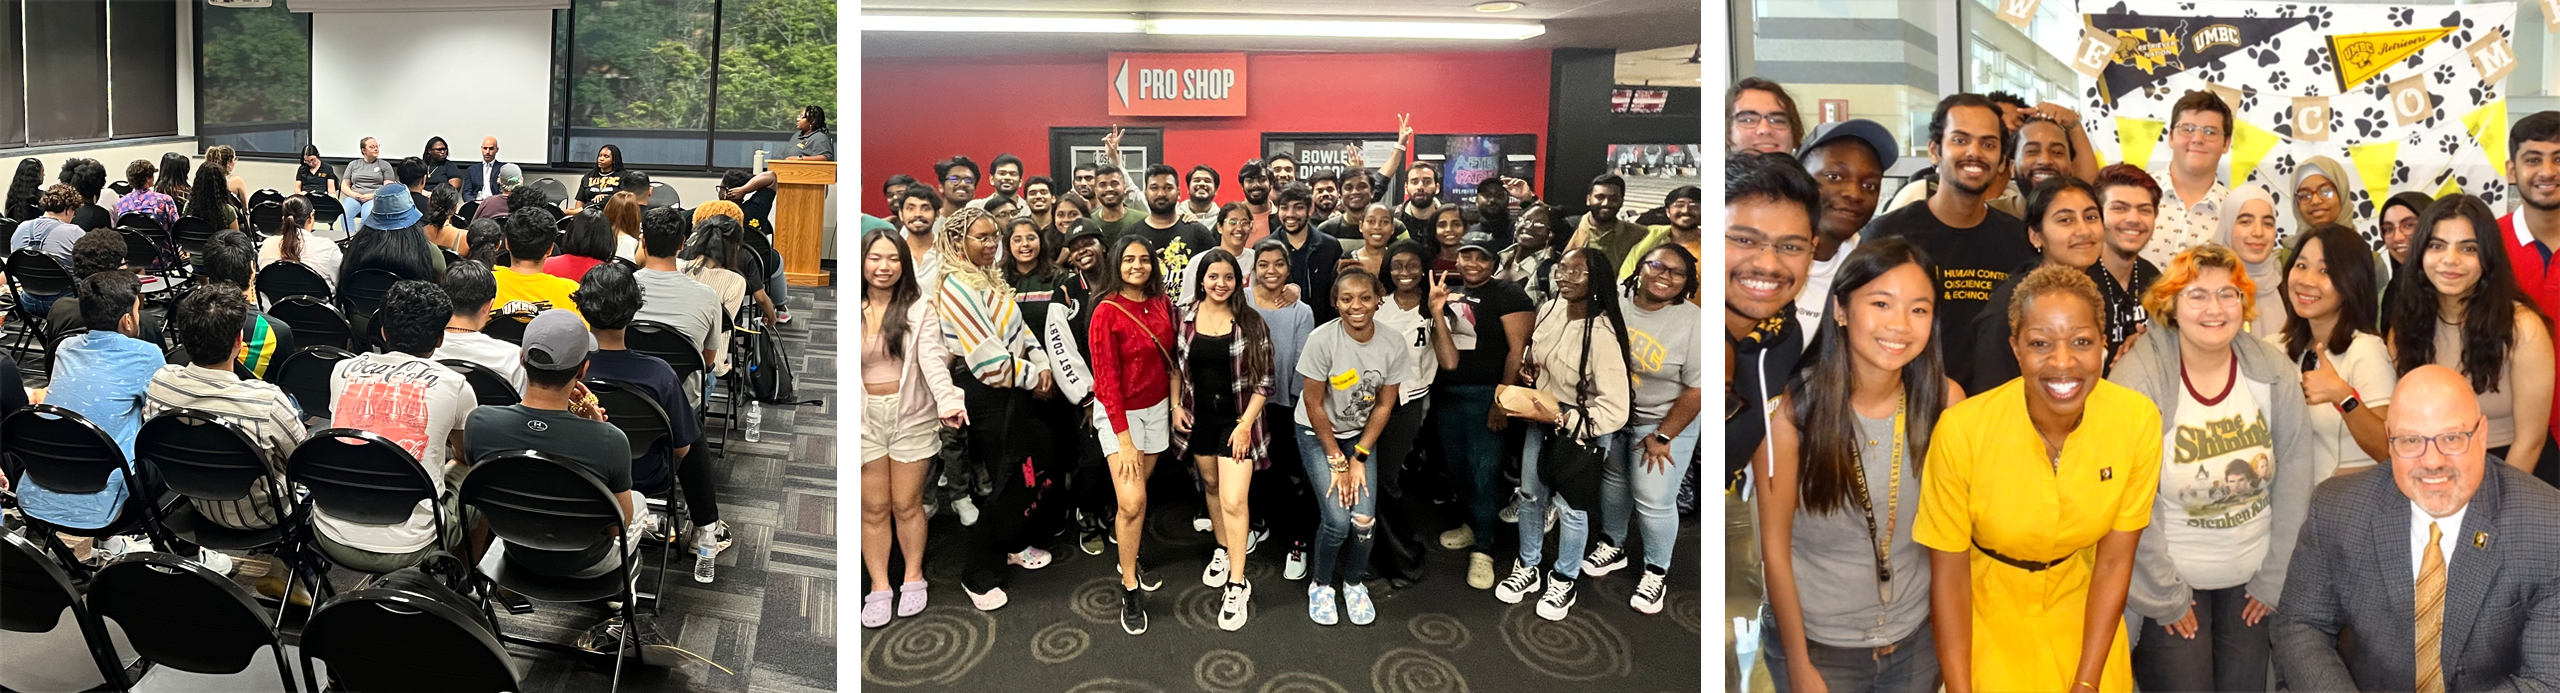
x=2431 y=613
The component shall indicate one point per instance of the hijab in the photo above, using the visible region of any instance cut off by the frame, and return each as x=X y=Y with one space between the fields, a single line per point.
x=955 y=258
x=2324 y=167
x=2268 y=274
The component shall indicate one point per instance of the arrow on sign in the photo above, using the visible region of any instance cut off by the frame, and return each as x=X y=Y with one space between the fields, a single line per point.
x=1121 y=84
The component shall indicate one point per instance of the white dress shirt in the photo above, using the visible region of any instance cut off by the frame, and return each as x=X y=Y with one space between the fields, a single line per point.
x=2418 y=521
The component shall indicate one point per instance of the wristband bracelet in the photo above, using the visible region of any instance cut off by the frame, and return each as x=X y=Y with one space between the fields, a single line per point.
x=1363 y=450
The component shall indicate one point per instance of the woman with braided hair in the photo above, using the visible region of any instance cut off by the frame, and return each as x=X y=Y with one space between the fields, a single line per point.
x=1000 y=367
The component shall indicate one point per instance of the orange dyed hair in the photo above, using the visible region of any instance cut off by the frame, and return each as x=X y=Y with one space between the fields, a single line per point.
x=2162 y=301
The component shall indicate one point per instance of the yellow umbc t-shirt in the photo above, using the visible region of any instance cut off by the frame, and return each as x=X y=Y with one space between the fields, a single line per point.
x=1988 y=484
x=532 y=293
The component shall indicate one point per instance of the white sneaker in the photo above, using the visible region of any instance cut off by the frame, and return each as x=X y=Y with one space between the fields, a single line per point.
x=119 y=545
x=1551 y=517
x=1511 y=513
x=1558 y=601
x=968 y=510
x=1216 y=575
x=1253 y=539
x=215 y=561
x=1233 y=607
x=1200 y=524
x=1523 y=581
x=1295 y=568
x=1649 y=590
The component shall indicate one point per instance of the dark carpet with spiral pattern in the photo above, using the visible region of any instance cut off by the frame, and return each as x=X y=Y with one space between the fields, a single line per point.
x=1061 y=631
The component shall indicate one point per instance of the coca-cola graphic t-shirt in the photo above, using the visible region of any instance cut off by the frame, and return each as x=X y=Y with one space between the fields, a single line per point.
x=414 y=402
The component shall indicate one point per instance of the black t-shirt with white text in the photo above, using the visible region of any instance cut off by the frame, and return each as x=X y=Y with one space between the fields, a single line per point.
x=1972 y=263
x=1174 y=246
x=1483 y=306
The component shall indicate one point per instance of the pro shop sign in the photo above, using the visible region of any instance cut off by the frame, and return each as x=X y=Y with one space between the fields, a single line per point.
x=1177 y=84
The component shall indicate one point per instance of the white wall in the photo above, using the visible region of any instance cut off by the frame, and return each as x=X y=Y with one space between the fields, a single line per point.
x=403 y=77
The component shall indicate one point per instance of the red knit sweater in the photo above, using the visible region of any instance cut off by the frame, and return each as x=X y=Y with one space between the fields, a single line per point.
x=1130 y=367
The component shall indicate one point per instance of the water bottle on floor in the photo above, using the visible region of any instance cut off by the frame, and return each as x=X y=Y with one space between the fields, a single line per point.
x=705 y=555
x=755 y=421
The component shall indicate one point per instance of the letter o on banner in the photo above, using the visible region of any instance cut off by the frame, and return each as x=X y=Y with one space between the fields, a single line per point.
x=2409 y=100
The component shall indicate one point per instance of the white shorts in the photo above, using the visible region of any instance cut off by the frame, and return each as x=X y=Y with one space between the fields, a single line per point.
x=881 y=435
x=1151 y=429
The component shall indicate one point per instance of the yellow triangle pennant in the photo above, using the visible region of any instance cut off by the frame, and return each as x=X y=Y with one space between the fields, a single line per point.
x=2139 y=136
x=2249 y=145
x=2451 y=186
x=2359 y=57
x=2488 y=126
x=2373 y=164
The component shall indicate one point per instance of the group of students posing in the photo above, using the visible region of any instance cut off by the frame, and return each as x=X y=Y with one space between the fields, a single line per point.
x=1295 y=376
x=2239 y=374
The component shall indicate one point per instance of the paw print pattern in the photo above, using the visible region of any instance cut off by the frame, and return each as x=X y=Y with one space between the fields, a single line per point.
x=2287 y=10
x=2317 y=60
x=2186 y=7
x=2399 y=172
x=2211 y=73
x=2364 y=207
x=2370 y=124
x=2404 y=16
x=2119 y=8
x=2449 y=144
x=2320 y=17
x=2265 y=56
x=2280 y=80
x=2444 y=73
x=2250 y=102
x=2455 y=19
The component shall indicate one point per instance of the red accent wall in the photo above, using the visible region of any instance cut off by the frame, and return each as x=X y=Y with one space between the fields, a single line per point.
x=916 y=111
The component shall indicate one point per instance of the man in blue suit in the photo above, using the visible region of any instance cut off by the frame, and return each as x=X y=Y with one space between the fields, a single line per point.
x=480 y=179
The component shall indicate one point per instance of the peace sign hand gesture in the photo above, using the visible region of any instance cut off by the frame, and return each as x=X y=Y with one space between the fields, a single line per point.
x=1439 y=296
x=1404 y=127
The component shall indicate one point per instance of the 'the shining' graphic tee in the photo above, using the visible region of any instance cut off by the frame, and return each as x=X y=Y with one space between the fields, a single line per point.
x=2215 y=487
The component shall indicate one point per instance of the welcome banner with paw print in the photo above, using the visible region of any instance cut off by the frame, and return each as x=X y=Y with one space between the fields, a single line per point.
x=2405 y=98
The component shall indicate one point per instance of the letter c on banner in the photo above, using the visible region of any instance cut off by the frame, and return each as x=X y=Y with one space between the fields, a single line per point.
x=2311 y=118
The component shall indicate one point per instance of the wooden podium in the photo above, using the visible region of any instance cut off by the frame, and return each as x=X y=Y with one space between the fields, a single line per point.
x=800 y=217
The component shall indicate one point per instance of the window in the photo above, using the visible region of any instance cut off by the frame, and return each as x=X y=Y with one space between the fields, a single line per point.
x=68 y=58
x=641 y=75
x=253 y=80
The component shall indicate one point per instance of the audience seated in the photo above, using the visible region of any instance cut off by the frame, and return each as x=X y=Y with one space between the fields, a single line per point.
x=100 y=250
x=471 y=289
x=102 y=375
x=52 y=234
x=522 y=285
x=610 y=298
x=143 y=199
x=89 y=178
x=391 y=240
x=623 y=210
x=265 y=342
x=294 y=241
x=586 y=243
x=668 y=296
x=414 y=401
x=207 y=384
x=712 y=258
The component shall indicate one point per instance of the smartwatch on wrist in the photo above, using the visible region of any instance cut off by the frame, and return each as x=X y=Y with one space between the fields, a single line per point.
x=2350 y=405
x=1658 y=437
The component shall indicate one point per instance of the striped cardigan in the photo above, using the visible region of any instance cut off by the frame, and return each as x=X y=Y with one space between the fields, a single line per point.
x=986 y=333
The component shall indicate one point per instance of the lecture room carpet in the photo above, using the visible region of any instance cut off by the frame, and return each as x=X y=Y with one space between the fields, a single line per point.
x=769 y=617
x=1060 y=633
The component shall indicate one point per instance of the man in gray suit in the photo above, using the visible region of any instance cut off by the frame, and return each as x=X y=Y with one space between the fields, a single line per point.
x=2445 y=563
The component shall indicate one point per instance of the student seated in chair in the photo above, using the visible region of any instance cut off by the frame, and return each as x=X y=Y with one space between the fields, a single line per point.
x=418 y=403
x=610 y=297
x=209 y=384
x=471 y=288
x=560 y=418
x=101 y=375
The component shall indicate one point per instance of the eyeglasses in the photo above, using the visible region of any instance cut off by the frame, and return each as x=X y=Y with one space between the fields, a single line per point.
x=2323 y=193
x=1658 y=267
x=1573 y=274
x=963 y=180
x=1752 y=120
x=2192 y=129
x=1746 y=245
x=2450 y=444
x=2228 y=296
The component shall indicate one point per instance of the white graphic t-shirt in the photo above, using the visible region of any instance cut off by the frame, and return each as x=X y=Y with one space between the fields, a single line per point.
x=414 y=402
x=2215 y=487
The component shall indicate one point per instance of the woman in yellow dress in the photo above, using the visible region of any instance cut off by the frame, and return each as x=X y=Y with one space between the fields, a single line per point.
x=2028 y=566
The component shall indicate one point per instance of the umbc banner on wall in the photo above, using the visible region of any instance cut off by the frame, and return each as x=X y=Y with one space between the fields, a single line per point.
x=2403 y=98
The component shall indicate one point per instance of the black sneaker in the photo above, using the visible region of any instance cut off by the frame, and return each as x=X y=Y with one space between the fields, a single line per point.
x=1147 y=579
x=1524 y=581
x=1605 y=557
x=1558 y=601
x=1133 y=612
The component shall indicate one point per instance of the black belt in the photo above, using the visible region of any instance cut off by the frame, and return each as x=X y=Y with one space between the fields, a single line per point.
x=2029 y=566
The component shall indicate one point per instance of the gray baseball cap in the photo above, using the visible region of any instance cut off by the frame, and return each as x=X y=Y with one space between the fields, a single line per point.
x=557 y=340
x=1876 y=137
x=510 y=176
x=1480 y=241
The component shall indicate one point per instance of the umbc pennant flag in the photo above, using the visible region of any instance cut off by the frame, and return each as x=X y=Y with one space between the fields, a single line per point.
x=2156 y=47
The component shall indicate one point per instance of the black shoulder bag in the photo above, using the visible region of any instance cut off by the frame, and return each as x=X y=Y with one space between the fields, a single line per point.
x=1570 y=463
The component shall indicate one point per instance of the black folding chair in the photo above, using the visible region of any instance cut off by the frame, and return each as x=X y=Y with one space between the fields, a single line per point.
x=326 y=209
x=493 y=389
x=536 y=501
x=469 y=210
x=34 y=594
x=508 y=327
x=387 y=638
x=141 y=243
x=183 y=616
x=551 y=188
x=285 y=278
x=644 y=425
x=663 y=195
x=33 y=273
x=64 y=452
x=207 y=459
x=360 y=295
x=192 y=233
x=360 y=476
x=314 y=321
x=266 y=217
x=305 y=375
x=672 y=346
x=139 y=220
